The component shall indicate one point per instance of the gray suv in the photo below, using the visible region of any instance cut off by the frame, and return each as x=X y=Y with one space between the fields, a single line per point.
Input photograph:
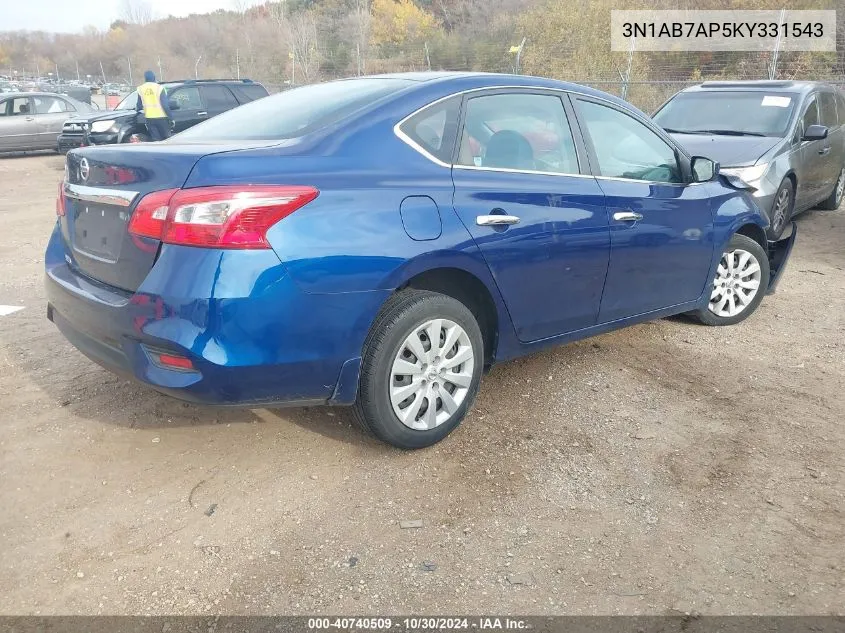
x=785 y=140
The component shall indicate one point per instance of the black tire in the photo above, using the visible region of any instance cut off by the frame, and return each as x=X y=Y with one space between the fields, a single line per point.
x=741 y=242
x=835 y=198
x=778 y=221
x=404 y=313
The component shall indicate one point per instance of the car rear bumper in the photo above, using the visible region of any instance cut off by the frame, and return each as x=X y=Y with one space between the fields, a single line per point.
x=251 y=342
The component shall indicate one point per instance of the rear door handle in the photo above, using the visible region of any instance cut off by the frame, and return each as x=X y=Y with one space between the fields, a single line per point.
x=627 y=216
x=30 y=118
x=202 y=113
x=496 y=220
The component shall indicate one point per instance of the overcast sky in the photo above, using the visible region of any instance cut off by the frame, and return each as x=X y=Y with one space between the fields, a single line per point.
x=72 y=15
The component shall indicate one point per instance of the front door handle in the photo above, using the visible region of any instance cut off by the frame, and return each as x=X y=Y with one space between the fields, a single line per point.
x=496 y=220
x=824 y=151
x=202 y=113
x=30 y=118
x=627 y=216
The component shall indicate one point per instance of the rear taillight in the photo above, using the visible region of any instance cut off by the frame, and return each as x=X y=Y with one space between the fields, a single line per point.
x=150 y=214
x=60 y=200
x=217 y=217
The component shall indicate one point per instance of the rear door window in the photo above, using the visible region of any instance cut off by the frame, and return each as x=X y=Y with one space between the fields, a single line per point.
x=50 y=105
x=218 y=98
x=523 y=132
x=433 y=129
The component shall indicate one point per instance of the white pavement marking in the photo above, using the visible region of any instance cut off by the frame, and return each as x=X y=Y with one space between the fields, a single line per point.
x=7 y=310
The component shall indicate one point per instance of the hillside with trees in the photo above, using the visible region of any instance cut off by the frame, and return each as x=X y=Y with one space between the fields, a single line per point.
x=302 y=41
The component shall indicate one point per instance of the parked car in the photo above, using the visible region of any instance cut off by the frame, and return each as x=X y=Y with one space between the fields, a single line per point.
x=34 y=120
x=380 y=241
x=191 y=102
x=784 y=138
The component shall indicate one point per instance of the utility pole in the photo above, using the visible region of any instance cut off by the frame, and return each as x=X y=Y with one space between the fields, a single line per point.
x=103 y=72
x=358 y=54
x=58 y=79
x=238 y=62
x=427 y=56
x=196 y=68
x=37 y=71
x=519 y=54
x=78 y=78
x=129 y=60
x=773 y=67
x=160 y=71
x=628 y=71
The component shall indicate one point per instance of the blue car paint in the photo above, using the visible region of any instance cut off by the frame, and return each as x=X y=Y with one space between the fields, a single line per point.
x=288 y=325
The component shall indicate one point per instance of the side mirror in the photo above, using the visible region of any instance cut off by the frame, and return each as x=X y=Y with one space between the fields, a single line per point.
x=174 y=105
x=704 y=169
x=815 y=133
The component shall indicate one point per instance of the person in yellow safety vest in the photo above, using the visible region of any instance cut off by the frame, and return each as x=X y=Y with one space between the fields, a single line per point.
x=152 y=99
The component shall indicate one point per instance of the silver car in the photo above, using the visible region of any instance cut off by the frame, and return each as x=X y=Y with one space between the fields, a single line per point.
x=785 y=140
x=34 y=120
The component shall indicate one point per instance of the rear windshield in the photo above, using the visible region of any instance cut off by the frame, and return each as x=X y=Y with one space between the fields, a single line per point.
x=751 y=113
x=296 y=112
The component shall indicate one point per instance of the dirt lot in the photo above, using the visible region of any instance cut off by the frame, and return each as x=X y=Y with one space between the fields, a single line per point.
x=665 y=467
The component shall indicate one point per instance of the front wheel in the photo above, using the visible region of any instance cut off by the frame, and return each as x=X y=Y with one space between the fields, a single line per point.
x=420 y=370
x=781 y=209
x=739 y=285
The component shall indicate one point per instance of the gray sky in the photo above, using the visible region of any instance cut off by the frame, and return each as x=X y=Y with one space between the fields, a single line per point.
x=73 y=15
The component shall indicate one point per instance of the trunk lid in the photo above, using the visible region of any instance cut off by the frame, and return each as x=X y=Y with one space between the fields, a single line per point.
x=102 y=188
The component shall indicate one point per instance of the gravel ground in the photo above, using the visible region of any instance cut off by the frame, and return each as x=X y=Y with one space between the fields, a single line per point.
x=662 y=468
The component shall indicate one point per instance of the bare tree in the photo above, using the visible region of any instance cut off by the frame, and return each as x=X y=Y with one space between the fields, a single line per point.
x=136 y=12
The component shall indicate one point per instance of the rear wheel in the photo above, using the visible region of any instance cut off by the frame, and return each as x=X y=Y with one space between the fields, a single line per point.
x=781 y=209
x=739 y=285
x=421 y=369
x=835 y=198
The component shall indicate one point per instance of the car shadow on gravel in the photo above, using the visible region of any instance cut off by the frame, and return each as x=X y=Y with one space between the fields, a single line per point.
x=81 y=388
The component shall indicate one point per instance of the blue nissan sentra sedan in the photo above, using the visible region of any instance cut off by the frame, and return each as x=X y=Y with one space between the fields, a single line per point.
x=381 y=241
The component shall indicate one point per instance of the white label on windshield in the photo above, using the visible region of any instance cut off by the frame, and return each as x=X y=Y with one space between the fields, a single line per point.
x=780 y=102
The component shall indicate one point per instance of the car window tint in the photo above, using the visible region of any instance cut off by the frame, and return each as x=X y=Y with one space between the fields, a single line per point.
x=827 y=109
x=218 y=98
x=434 y=128
x=526 y=132
x=49 y=105
x=188 y=98
x=626 y=148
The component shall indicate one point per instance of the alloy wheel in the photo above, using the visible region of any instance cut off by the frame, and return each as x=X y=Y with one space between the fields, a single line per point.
x=781 y=209
x=736 y=284
x=431 y=374
x=840 y=187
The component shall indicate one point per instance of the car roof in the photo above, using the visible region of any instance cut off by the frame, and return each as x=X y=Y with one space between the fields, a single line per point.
x=798 y=87
x=200 y=82
x=38 y=93
x=465 y=81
